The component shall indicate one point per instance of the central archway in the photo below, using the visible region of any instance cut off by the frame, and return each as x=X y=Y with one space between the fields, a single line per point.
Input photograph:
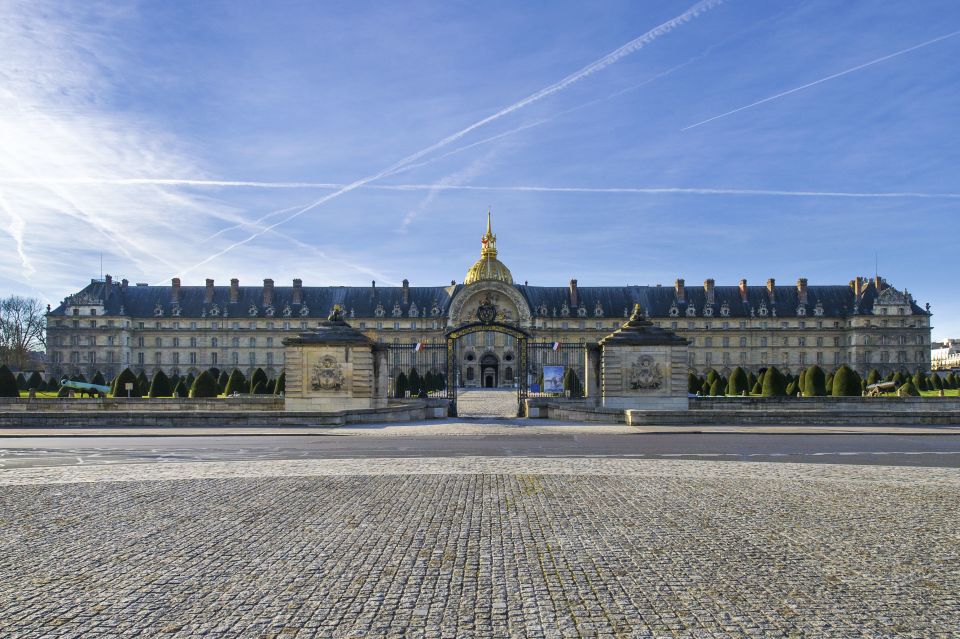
x=488 y=373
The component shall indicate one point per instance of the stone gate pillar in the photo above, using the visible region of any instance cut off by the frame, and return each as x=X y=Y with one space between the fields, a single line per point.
x=643 y=367
x=591 y=374
x=333 y=368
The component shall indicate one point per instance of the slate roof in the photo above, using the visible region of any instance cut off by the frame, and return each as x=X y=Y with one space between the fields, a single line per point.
x=141 y=301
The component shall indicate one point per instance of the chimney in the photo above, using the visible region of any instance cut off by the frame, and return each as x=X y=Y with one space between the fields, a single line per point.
x=234 y=290
x=680 y=290
x=574 y=298
x=124 y=283
x=771 y=284
x=373 y=288
x=298 y=291
x=857 y=287
x=406 y=291
x=876 y=282
x=108 y=286
x=208 y=293
x=175 y=290
x=802 y=290
x=268 y=292
x=743 y=291
x=708 y=289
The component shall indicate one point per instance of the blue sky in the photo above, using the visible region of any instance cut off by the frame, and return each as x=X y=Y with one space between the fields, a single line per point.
x=124 y=129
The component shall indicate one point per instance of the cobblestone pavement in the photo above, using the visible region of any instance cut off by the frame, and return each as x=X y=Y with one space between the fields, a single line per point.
x=499 y=403
x=478 y=547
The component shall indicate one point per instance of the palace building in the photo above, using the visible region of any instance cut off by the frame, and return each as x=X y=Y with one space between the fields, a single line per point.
x=111 y=325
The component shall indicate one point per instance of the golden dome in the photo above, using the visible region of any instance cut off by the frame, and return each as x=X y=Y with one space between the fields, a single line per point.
x=488 y=267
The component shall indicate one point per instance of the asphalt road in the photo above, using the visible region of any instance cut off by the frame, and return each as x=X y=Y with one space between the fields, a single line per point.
x=890 y=450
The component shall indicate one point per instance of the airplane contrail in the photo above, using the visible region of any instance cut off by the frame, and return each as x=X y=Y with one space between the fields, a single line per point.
x=825 y=79
x=634 y=45
x=666 y=190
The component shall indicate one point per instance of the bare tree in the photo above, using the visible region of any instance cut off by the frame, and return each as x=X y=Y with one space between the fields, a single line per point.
x=23 y=328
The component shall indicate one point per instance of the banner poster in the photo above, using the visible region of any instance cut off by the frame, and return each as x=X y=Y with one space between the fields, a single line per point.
x=553 y=379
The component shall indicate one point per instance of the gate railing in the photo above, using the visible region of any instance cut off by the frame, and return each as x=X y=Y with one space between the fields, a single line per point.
x=572 y=356
x=422 y=357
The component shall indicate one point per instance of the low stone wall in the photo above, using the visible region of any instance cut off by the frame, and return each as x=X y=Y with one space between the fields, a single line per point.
x=405 y=411
x=857 y=404
x=572 y=410
x=781 y=417
x=141 y=404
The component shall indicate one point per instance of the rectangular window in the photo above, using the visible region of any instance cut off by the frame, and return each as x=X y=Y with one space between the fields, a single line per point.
x=213 y=359
x=193 y=358
x=743 y=358
x=819 y=357
x=269 y=359
x=236 y=358
x=140 y=358
x=158 y=358
x=193 y=342
x=158 y=342
x=743 y=341
x=253 y=342
x=176 y=358
x=269 y=342
x=726 y=342
x=253 y=359
x=709 y=358
x=176 y=342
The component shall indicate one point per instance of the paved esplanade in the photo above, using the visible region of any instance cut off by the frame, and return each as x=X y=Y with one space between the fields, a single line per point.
x=477 y=546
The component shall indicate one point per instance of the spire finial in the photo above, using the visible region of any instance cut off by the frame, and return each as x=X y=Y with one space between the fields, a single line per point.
x=489 y=230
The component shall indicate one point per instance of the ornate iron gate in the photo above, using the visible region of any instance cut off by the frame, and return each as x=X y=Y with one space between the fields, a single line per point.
x=486 y=326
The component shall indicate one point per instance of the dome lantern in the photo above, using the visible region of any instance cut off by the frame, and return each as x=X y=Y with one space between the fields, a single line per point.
x=488 y=267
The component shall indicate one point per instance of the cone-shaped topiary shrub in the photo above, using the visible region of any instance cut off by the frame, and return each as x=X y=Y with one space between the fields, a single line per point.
x=8 y=383
x=908 y=390
x=873 y=377
x=222 y=380
x=143 y=382
x=571 y=382
x=236 y=383
x=934 y=382
x=716 y=388
x=160 y=386
x=413 y=382
x=815 y=382
x=120 y=382
x=757 y=388
x=711 y=375
x=920 y=380
x=400 y=387
x=738 y=382
x=281 y=386
x=951 y=380
x=259 y=389
x=802 y=380
x=693 y=384
x=258 y=377
x=181 y=390
x=35 y=381
x=846 y=383
x=774 y=384
x=21 y=381
x=829 y=382
x=98 y=379
x=793 y=388
x=899 y=378
x=204 y=386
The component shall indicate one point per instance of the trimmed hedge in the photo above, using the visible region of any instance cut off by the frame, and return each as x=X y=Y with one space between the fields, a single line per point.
x=204 y=386
x=739 y=383
x=815 y=382
x=119 y=384
x=908 y=389
x=160 y=386
x=774 y=384
x=846 y=383
x=8 y=383
x=236 y=383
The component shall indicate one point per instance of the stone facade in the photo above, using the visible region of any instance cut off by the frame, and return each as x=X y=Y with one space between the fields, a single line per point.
x=111 y=325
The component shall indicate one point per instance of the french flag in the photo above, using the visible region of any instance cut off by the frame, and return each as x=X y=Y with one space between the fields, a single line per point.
x=418 y=346
x=556 y=346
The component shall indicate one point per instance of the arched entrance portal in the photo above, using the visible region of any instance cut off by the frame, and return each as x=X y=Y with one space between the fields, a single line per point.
x=490 y=367
x=485 y=373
